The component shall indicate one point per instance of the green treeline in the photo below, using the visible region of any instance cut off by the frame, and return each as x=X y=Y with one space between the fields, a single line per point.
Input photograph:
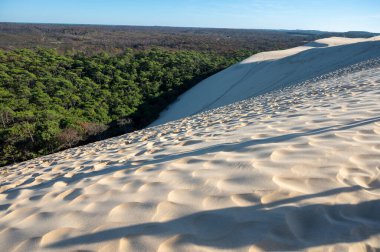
x=49 y=101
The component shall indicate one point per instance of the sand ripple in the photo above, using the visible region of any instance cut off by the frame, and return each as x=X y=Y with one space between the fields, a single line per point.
x=297 y=169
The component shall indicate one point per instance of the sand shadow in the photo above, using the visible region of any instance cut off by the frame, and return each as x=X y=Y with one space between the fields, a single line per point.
x=228 y=147
x=317 y=44
x=275 y=226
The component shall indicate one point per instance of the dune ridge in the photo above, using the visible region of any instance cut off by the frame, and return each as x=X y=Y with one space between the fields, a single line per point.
x=269 y=71
x=293 y=169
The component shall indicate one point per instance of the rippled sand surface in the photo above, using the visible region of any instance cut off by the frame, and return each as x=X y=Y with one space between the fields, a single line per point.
x=296 y=169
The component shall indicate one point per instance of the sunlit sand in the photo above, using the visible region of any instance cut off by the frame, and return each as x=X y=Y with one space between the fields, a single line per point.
x=297 y=168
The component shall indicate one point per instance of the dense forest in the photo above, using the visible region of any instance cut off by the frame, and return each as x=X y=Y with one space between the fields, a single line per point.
x=115 y=39
x=51 y=101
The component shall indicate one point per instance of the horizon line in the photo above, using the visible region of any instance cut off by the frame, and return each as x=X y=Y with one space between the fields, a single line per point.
x=190 y=27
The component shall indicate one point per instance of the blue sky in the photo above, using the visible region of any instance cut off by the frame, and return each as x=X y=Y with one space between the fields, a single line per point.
x=328 y=15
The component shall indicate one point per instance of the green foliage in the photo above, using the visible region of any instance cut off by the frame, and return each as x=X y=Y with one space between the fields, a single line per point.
x=49 y=101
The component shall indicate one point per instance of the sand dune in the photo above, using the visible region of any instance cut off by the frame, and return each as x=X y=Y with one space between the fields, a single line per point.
x=294 y=169
x=268 y=71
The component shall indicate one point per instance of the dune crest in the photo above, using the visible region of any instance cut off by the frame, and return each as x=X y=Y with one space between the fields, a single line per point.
x=269 y=71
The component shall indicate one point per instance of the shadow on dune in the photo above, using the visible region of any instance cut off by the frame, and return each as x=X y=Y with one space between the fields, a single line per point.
x=273 y=226
x=13 y=192
x=317 y=44
x=277 y=139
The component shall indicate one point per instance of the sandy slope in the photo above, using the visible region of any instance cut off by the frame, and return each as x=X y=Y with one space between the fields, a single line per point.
x=269 y=71
x=291 y=170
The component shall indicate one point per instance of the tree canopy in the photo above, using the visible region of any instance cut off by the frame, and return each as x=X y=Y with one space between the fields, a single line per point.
x=51 y=101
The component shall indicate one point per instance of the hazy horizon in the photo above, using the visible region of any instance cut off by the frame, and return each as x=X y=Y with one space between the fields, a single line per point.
x=168 y=26
x=322 y=15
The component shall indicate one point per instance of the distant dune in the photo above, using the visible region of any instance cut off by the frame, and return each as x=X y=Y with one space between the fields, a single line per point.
x=293 y=168
x=269 y=71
